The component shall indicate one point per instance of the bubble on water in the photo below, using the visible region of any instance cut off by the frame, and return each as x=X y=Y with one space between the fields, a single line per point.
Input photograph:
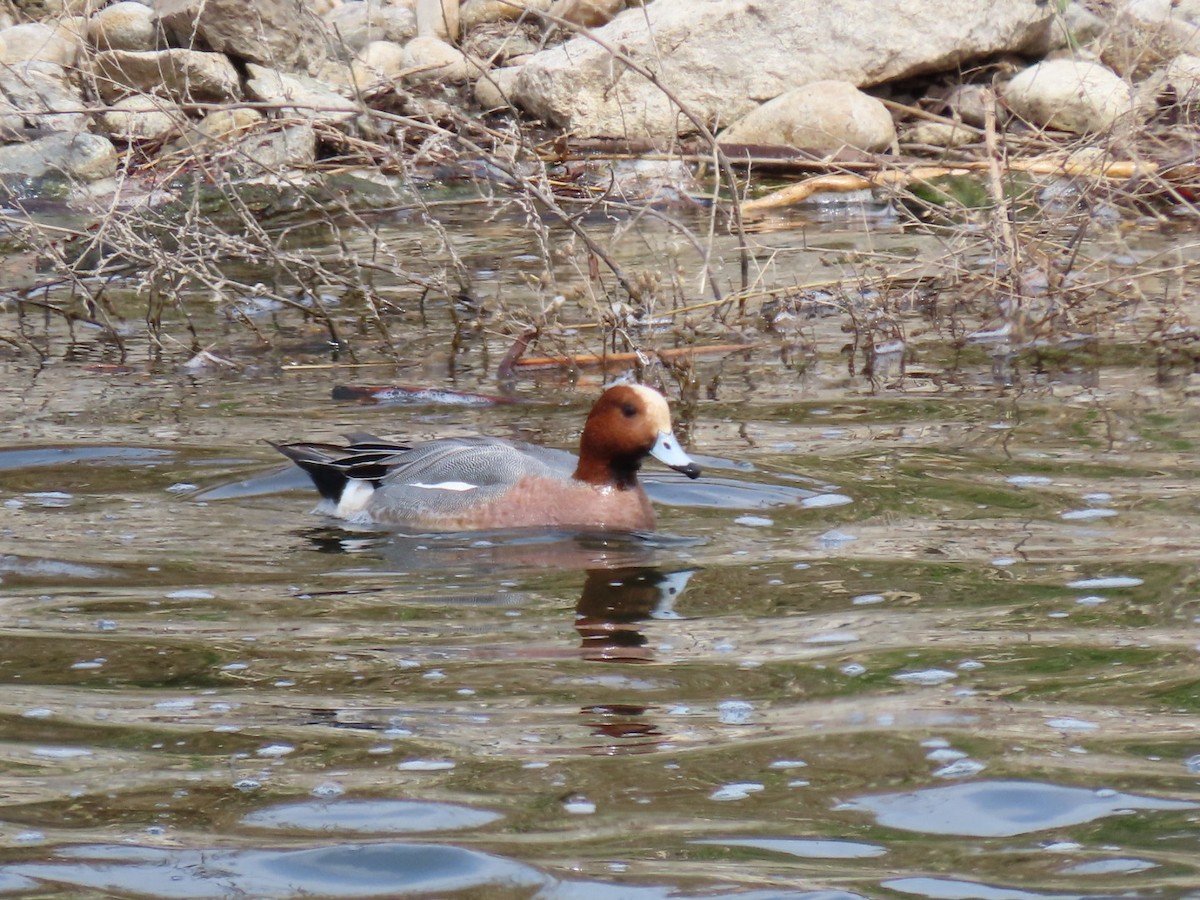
x=945 y=755
x=29 y=837
x=963 y=768
x=274 y=751
x=734 y=712
x=1004 y=561
x=833 y=539
x=426 y=765
x=90 y=664
x=435 y=675
x=736 y=791
x=754 y=521
x=1098 y=497
x=180 y=487
x=1087 y=515
x=328 y=790
x=935 y=743
x=1091 y=600
x=799 y=782
x=1192 y=764
x=1111 y=581
x=536 y=765
x=60 y=752
x=191 y=594
x=247 y=785
x=1061 y=847
x=579 y=806
x=1069 y=724
x=854 y=669
x=970 y=665
x=38 y=712
x=51 y=499
x=182 y=703
x=1029 y=480
x=867 y=599
x=825 y=501
x=788 y=764
x=106 y=625
x=235 y=667
x=925 y=677
x=833 y=637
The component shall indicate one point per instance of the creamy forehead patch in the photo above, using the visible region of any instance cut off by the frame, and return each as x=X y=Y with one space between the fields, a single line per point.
x=657 y=411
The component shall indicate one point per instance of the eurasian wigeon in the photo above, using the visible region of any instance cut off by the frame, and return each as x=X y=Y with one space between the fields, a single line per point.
x=484 y=483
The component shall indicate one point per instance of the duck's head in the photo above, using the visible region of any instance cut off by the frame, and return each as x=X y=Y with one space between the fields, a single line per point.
x=628 y=423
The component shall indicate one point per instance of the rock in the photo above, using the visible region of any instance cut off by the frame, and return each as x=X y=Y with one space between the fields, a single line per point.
x=1182 y=78
x=1074 y=26
x=280 y=33
x=970 y=102
x=1080 y=97
x=182 y=75
x=498 y=42
x=438 y=18
x=358 y=22
x=492 y=89
x=822 y=117
x=214 y=130
x=74 y=157
x=142 y=118
x=124 y=26
x=1144 y=36
x=481 y=12
x=45 y=95
x=578 y=86
x=378 y=60
x=437 y=61
x=39 y=42
x=587 y=13
x=940 y=134
x=303 y=96
x=270 y=153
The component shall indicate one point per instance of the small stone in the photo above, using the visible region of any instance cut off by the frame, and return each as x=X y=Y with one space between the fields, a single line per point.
x=481 y=12
x=1070 y=95
x=823 y=117
x=82 y=157
x=142 y=118
x=124 y=26
x=354 y=25
x=492 y=89
x=940 y=134
x=437 y=61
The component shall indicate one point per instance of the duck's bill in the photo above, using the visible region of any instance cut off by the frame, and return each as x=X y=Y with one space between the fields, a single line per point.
x=668 y=452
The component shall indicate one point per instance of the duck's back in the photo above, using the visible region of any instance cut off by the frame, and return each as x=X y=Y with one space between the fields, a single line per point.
x=442 y=483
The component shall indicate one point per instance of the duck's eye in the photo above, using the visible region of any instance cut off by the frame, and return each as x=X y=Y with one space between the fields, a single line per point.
x=628 y=410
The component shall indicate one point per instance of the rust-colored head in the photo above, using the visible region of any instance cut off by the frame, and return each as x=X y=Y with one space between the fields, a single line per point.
x=628 y=423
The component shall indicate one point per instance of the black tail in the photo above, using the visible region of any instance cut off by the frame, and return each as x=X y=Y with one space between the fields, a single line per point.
x=330 y=467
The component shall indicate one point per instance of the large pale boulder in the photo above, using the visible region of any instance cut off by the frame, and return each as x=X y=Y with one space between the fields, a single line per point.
x=1070 y=95
x=75 y=157
x=124 y=26
x=182 y=75
x=823 y=117
x=580 y=87
x=39 y=42
x=46 y=95
x=279 y=33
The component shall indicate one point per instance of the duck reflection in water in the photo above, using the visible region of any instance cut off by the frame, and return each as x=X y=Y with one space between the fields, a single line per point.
x=615 y=601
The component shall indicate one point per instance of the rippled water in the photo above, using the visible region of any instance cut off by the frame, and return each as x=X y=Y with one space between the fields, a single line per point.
x=940 y=641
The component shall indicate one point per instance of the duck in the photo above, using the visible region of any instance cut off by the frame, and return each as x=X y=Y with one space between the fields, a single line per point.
x=483 y=483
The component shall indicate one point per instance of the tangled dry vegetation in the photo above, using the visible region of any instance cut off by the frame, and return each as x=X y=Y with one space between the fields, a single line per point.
x=1031 y=243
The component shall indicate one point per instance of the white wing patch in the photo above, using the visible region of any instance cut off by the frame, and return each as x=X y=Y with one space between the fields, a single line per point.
x=446 y=486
